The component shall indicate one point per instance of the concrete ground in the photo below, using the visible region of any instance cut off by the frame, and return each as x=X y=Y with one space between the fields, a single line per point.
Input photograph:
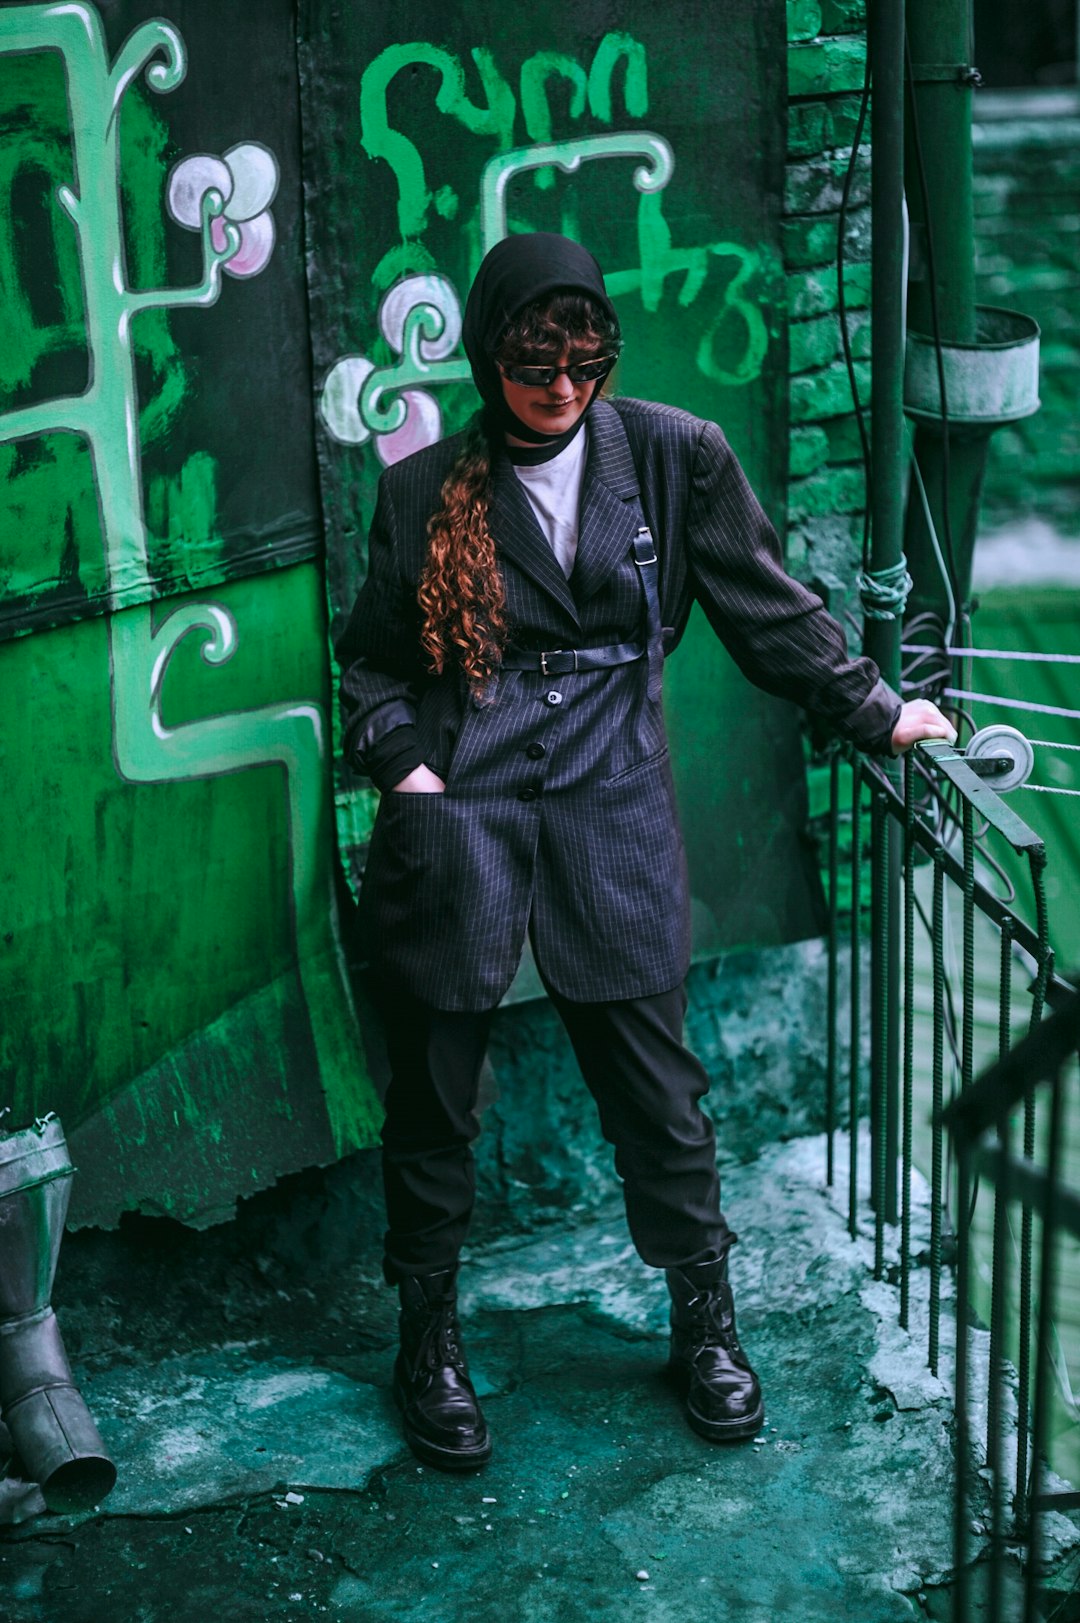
x=262 y=1473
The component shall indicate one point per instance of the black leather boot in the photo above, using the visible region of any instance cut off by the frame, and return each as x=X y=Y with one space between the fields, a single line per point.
x=723 y=1398
x=443 y=1422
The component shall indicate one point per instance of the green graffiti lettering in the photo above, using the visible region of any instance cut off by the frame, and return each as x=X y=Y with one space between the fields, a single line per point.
x=636 y=93
x=659 y=260
x=650 y=176
x=535 y=72
x=404 y=259
x=447 y=202
x=748 y=311
x=361 y=397
x=379 y=140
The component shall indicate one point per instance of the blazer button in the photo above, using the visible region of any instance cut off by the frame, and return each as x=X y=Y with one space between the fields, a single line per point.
x=528 y=794
x=554 y=697
x=534 y=751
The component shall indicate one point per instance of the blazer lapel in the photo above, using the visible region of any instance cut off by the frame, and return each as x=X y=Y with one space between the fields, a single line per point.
x=516 y=532
x=609 y=515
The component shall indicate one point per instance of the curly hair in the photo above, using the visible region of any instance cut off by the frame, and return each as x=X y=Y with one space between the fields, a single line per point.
x=461 y=594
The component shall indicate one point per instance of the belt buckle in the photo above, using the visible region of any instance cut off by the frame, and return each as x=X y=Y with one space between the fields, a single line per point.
x=643 y=531
x=544 y=659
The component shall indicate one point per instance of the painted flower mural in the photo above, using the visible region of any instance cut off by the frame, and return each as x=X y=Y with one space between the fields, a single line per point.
x=246 y=180
x=420 y=318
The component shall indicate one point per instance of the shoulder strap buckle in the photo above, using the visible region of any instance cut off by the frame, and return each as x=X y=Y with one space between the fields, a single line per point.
x=643 y=542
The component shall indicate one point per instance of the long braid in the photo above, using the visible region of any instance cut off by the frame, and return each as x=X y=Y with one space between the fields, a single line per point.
x=461 y=591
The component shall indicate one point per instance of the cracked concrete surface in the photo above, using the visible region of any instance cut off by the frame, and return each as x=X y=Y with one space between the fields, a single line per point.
x=265 y=1477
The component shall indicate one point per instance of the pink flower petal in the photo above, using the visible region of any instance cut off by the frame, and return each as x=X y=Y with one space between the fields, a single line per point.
x=256 y=246
x=405 y=296
x=422 y=426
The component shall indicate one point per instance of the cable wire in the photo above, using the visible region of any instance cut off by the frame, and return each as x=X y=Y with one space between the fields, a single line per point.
x=845 y=336
x=989 y=653
x=1013 y=704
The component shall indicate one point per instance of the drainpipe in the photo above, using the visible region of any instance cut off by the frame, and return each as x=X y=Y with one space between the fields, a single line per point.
x=942 y=235
x=885 y=42
x=965 y=369
x=989 y=357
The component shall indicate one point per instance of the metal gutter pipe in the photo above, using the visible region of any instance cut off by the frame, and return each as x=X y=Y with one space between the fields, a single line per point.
x=987 y=359
x=882 y=595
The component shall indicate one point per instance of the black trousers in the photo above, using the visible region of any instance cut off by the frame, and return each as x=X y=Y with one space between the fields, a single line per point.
x=646 y=1084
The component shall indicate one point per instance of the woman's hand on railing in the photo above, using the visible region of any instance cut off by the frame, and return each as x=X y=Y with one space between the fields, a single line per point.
x=920 y=718
x=420 y=781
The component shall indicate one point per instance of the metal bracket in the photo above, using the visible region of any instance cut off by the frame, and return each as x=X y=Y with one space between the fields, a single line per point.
x=990 y=766
x=961 y=74
x=960 y=772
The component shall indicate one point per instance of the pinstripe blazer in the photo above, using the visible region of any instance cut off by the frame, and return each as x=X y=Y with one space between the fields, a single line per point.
x=559 y=803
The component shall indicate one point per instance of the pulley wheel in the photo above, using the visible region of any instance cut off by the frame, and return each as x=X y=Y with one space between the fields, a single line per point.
x=1002 y=740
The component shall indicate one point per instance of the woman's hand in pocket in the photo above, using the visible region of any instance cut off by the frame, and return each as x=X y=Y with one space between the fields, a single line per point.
x=420 y=781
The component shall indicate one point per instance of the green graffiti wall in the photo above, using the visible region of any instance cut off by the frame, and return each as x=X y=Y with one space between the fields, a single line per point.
x=234 y=247
x=660 y=144
x=171 y=964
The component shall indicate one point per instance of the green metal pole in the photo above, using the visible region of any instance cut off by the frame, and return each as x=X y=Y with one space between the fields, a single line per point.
x=942 y=291
x=939 y=32
x=885 y=40
x=886 y=44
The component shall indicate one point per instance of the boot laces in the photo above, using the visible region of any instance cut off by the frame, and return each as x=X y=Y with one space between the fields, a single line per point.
x=715 y=1321
x=439 y=1344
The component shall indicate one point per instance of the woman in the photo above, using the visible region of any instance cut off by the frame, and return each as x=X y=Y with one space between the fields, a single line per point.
x=501 y=686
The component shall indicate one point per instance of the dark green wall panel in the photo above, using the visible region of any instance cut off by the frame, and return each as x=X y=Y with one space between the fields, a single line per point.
x=424 y=143
x=178 y=442
x=172 y=979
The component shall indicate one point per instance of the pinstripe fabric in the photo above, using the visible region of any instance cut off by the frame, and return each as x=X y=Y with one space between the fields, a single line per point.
x=559 y=799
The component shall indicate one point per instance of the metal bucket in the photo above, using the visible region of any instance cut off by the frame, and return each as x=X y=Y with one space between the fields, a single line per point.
x=993 y=380
x=54 y=1435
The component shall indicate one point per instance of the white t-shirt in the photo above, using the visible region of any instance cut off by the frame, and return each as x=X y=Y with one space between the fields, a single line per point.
x=554 y=492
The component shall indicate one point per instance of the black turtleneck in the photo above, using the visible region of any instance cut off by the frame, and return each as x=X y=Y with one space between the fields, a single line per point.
x=530 y=456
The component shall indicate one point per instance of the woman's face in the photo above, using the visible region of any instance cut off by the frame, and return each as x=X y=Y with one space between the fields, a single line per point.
x=554 y=407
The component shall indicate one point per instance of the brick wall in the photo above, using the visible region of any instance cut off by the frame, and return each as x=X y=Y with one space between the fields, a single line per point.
x=826 y=487
x=1027 y=226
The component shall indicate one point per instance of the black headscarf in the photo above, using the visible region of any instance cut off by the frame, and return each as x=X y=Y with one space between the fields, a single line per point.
x=517 y=271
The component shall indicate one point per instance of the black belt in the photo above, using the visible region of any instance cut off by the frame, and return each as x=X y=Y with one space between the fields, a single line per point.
x=562 y=660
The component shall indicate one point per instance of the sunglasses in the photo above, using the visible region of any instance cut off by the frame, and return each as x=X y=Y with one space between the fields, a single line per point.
x=540 y=377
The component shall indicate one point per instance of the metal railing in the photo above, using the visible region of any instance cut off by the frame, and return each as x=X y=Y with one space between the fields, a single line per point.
x=923 y=818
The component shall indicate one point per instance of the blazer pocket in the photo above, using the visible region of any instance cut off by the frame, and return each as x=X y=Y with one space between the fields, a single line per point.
x=629 y=772
x=407 y=833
